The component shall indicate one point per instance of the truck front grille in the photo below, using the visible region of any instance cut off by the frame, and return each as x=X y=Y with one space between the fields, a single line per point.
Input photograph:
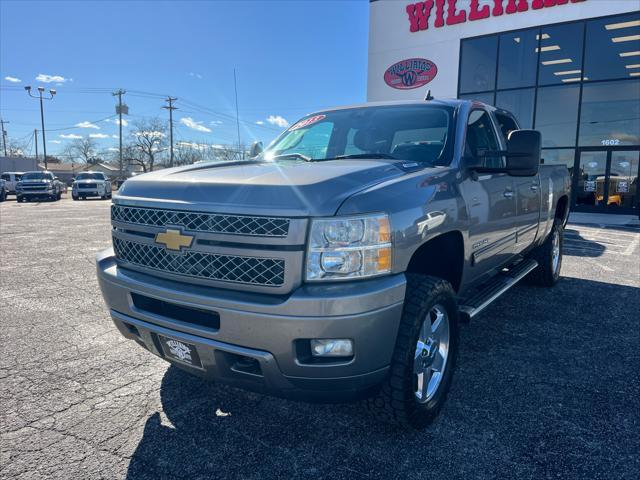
x=206 y=266
x=88 y=185
x=203 y=222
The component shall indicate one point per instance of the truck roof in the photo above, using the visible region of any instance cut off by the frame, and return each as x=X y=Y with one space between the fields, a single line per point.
x=448 y=102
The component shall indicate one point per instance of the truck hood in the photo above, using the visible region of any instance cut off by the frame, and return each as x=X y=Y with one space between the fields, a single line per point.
x=287 y=188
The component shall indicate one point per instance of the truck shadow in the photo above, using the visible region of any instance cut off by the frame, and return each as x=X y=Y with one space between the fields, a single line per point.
x=576 y=245
x=504 y=408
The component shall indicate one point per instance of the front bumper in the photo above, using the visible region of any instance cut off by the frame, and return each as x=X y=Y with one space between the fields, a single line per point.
x=267 y=329
x=36 y=193
x=87 y=192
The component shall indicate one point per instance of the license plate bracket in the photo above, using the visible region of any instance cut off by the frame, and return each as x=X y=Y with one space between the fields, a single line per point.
x=180 y=351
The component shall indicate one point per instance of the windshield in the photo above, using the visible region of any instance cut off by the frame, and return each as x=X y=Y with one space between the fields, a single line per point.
x=417 y=133
x=37 y=176
x=90 y=176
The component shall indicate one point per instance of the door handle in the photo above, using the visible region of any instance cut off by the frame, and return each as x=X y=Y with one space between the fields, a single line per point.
x=508 y=194
x=534 y=187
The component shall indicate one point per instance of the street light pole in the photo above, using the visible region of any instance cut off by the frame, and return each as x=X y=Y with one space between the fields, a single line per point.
x=52 y=92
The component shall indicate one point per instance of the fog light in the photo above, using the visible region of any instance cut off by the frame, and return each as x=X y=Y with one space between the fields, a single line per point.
x=332 y=348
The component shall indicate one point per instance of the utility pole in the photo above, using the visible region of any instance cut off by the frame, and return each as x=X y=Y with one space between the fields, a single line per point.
x=119 y=111
x=235 y=86
x=52 y=93
x=35 y=137
x=171 y=108
x=4 y=136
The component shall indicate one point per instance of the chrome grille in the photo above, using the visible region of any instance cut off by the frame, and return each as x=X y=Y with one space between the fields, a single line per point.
x=202 y=222
x=207 y=266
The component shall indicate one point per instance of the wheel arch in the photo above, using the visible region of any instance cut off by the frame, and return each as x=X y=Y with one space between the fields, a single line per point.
x=562 y=209
x=442 y=257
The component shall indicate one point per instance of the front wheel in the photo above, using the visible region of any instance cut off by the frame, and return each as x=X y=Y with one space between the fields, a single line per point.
x=424 y=357
x=549 y=258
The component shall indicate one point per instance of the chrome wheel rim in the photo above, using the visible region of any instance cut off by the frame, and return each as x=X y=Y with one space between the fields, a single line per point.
x=555 y=251
x=430 y=357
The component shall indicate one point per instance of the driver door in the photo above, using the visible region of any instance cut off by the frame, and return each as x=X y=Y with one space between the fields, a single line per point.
x=490 y=198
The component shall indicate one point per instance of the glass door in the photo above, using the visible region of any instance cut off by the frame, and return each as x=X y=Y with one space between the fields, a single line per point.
x=607 y=180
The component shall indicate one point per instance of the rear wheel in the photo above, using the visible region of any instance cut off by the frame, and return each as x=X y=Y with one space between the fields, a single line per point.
x=549 y=258
x=75 y=197
x=424 y=357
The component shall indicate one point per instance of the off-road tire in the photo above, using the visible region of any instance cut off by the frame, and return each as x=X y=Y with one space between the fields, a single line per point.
x=396 y=401
x=75 y=197
x=545 y=274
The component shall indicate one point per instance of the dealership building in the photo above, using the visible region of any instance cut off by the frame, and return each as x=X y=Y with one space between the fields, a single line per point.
x=569 y=68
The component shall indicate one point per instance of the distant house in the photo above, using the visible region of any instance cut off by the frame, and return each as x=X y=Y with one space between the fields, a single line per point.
x=64 y=171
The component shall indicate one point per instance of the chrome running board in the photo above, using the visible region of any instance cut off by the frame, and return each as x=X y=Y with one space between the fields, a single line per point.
x=493 y=289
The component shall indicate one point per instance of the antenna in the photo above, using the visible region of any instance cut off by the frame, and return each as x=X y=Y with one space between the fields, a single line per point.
x=428 y=96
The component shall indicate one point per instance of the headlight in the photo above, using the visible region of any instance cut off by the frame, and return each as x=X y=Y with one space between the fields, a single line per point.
x=349 y=247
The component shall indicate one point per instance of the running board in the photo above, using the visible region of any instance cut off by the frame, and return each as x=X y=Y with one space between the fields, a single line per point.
x=494 y=288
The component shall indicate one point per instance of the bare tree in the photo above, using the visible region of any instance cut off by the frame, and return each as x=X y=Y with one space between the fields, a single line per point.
x=16 y=148
x=83 y=150
x=186 y=153
x=148 y=142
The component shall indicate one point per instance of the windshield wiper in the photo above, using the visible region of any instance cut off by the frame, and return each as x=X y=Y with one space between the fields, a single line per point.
x=363 y=155
x=293 y=155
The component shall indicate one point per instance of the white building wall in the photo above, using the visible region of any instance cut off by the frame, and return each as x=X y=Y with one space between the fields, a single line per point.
x=390 y=39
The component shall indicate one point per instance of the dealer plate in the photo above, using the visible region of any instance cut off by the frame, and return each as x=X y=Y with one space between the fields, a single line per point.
x=180 y=351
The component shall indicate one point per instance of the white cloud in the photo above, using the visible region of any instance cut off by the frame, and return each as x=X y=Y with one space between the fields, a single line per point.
x=98 y=135
x=115 y=136
x=195 y=75
x=117 y=121
x=259 y=122
x=87 y=125
x=191 y=123
x=113 y=149
x=277 y=120
x=42 y=77
x=71 y=136
x=215 y=123
x=55 y=141
x=12 y=79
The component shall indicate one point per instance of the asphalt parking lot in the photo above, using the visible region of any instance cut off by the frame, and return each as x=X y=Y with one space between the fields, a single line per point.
x=547 y=384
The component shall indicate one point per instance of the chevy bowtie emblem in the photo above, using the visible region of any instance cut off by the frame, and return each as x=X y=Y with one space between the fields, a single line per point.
x=174 y=240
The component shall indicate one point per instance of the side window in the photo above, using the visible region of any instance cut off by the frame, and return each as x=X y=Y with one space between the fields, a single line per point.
x=5 y=176
x=507 y=124
x=18 y=178
x=481 y=139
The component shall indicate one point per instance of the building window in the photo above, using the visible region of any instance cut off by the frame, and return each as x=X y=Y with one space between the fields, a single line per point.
x=518 y=102
x=612 y=49
x=561 y=54
x=517 y=59
x=481 y=97
x=478 y=66
x=557 y=115
x=610 y=114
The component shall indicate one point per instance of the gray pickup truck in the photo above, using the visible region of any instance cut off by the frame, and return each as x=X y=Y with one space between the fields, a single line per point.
x=339 y=262
x=38 y=185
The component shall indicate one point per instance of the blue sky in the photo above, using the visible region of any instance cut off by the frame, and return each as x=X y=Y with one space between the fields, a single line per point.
x=291 y=58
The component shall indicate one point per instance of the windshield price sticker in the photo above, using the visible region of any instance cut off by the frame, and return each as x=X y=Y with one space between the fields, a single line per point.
x=307 y=121
x=590 y=186
x=610 y=141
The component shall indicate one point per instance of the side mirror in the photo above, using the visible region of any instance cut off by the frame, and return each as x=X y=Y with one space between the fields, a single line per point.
x=524 y=152
x=256 y=149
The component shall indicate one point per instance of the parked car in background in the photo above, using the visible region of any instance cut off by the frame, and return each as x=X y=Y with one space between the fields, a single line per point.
x=38 y=185
x=91 y=184
x=11 y=179
x=339 y=262
x=3 y=190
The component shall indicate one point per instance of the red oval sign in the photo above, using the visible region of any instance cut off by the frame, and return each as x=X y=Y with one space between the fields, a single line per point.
x=410 y=73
